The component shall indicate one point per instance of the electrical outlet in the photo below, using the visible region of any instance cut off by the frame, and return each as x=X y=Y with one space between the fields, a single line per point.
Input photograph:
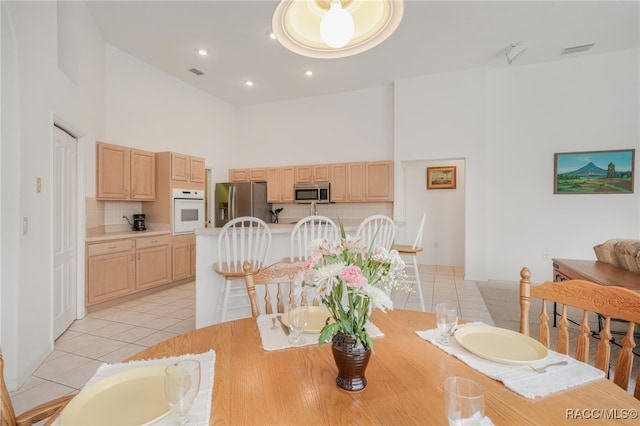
x=547 y=256
x=38 y=185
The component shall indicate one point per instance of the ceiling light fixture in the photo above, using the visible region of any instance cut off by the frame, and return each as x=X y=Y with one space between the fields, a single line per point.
x=335 y=28
x=514 y=51
x=308 y=73
x=248 y=83
x=202 y=52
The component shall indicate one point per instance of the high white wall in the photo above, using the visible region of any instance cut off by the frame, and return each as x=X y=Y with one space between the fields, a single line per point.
x=148 y=109
x=578 y=104
x=507 y=124
x=442 y=117
x=350 y=126
x=37 y=95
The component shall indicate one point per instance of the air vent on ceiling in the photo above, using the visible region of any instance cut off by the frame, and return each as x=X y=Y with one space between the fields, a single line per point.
x=576 y=49
x=196 y=71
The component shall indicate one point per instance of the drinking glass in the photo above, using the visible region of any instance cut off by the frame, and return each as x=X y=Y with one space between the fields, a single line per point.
x=447 y=318
x=181 y=385
x=298 y=318
x=463 y=402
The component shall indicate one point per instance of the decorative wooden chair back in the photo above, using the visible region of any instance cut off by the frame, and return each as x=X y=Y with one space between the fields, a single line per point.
x=377 y=228
x=609 y=302
x=30 y=417
x=307 y=230
x=244 y=239
x=277 y=286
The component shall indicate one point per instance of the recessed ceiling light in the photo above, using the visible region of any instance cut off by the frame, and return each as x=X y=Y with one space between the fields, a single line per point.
x=202 y=52
x=248 y=83
x=271 y=35
x=308 y=73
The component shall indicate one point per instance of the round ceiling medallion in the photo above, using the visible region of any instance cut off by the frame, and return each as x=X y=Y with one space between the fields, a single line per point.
x=296 y=24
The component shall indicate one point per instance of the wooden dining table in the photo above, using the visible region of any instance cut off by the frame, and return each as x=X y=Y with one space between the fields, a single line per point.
x=405 y=374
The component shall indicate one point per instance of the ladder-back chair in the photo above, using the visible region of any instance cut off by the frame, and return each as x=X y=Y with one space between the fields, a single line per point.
x=609 y=302
x=37 y=414
x=307 y=230
x=244 y=239
x=277 y=282
x=412 y=252
x=379 y=229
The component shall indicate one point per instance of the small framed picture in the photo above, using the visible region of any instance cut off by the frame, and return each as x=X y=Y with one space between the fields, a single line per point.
x=441 y=177
x=594 y=172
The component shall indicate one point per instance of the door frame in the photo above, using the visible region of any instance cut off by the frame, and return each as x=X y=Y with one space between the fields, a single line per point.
x=81 y=310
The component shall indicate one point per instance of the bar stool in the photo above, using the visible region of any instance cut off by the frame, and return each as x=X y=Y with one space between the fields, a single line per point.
x=377 y=227
x=412 y=251
x=244 y=239
x=307 y=230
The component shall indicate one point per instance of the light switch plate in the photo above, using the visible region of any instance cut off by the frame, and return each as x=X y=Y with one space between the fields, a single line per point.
x=25 y=225
x=38 y=184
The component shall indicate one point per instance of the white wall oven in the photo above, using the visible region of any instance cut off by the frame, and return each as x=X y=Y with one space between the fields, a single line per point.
x=188 y=210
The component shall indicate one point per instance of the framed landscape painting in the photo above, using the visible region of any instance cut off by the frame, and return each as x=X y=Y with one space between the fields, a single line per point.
x=441 y=177
x=594 y=172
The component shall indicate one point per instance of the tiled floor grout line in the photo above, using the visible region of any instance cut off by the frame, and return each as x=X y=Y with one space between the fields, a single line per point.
x=113 y=334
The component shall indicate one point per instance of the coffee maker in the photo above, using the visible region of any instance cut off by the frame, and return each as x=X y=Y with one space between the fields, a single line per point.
x=138 y=222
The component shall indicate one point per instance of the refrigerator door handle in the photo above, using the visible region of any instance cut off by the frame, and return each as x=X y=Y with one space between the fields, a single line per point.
x=232 y=203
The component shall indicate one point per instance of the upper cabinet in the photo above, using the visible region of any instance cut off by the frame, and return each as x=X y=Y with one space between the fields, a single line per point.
x=312 y=173
x=280 y=181
x=125 y=173
x=248 y=175
x=188 y=169
x=362 y=182
x=378 y=178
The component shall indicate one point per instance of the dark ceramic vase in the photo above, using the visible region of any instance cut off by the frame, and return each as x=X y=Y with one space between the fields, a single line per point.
x=352 y=360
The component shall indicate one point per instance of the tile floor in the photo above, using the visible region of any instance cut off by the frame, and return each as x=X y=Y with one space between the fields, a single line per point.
x=113 y=334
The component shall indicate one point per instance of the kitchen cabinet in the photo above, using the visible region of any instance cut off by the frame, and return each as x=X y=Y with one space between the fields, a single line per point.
x=125 y=173
x=248 y=175
x=362 y=182
x=153 y=261
x=121 y=267
x=110 y=270
x=338 y=183
x=187 y=169
x=312 y=173
x=183 y=257
x=280 y=182
x=355 y=181
x=378 y=181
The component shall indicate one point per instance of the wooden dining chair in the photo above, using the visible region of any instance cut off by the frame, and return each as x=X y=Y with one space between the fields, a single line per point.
x=588 y=299
x=307 y=230
x=277 y=283
x=29 y=417
x=411 y=251
x=244 y=239
x=379 y=229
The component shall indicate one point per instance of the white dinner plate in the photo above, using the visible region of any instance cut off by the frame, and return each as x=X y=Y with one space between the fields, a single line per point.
x=317 y=319
x=500 y=345
x=133 y=397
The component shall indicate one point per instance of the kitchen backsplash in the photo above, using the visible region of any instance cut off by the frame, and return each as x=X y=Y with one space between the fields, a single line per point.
x=334 y=211
x=109 y=213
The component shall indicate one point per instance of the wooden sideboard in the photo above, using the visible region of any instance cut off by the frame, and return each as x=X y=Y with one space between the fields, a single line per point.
x=595 y=271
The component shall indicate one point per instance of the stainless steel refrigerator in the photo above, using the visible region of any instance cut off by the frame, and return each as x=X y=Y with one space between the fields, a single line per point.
x=241 y=199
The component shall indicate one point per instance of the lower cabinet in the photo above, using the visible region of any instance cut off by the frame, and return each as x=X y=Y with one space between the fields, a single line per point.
x=110 y=270
x=122 y=267
x=153 y=262
x=183 y=256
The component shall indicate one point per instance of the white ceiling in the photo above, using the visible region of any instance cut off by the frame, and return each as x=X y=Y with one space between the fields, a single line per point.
x=433 y=37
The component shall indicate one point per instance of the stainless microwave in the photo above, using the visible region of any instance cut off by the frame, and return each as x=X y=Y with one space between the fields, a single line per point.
x=306 y=193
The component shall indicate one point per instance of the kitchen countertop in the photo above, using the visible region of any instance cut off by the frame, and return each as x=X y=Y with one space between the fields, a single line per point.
x=102 y=233
x=284 y=227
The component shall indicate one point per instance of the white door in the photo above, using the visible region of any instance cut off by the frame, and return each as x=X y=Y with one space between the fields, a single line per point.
x=64 y=230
